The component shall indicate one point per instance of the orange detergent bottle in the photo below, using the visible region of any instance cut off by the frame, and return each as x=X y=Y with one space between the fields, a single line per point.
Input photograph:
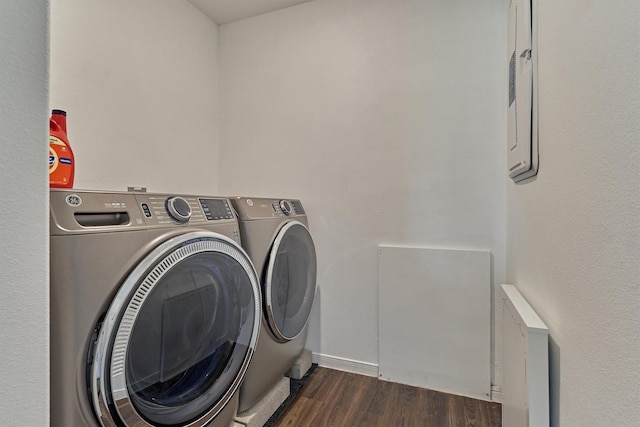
x=61 y=161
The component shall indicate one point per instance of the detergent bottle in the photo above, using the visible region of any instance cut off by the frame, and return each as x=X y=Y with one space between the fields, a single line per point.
x=61 y=161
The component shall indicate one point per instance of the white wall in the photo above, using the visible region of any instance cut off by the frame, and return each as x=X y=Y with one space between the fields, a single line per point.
x=24 y=262
x=139 y=82
x=387 y=119
x=574 y=232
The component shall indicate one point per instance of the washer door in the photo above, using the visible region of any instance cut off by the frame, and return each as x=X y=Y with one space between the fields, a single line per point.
x=178 y=337
x=290 y=283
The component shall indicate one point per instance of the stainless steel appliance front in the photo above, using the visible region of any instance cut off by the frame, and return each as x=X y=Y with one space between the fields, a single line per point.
x=155 y=310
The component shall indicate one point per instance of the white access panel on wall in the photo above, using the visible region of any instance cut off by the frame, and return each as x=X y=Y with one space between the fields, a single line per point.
x=522 y=61
x=434 y=326
x=525 y=358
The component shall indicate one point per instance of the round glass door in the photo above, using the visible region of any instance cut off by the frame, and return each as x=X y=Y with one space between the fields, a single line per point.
x=290 y=283
x=178 y=336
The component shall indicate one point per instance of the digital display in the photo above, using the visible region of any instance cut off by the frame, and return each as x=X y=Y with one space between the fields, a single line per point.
x=216 y=209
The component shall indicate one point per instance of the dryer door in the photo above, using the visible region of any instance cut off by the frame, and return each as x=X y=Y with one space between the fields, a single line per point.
x=176 y=341
x=290 y=283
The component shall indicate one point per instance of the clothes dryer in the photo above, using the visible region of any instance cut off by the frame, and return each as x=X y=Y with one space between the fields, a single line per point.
x=275 y=234
x=155 y=310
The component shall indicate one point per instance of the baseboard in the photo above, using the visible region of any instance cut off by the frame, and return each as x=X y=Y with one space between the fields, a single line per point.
x=496 y=393
x=371 y=370
x=348 y=365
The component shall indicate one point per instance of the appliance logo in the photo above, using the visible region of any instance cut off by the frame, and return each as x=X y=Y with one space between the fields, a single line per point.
x=73 y=200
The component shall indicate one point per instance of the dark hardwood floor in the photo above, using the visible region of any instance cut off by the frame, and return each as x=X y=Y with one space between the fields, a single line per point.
x=340 y=399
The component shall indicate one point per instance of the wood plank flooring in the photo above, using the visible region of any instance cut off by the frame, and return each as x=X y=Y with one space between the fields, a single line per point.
x=340 y=399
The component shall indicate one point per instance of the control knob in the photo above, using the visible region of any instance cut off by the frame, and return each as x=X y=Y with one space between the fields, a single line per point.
x=178 y=209
x=285 y=207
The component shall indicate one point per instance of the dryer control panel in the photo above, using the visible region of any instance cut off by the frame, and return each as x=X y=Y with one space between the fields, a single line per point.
x=261 y=208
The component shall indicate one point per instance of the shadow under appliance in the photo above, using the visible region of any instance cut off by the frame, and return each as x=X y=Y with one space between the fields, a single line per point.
x=275 y=235
x=155 y=310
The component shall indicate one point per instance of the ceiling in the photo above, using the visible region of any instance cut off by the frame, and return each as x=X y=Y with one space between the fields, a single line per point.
x=225 y=11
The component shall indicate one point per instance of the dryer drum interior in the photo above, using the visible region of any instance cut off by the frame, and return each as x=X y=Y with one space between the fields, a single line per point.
x=178 y=336
x=290 y=283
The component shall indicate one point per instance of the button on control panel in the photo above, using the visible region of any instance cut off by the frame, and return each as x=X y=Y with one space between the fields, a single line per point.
x=146 y=210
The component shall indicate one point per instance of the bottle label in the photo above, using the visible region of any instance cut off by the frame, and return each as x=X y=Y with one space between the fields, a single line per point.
x=61 y=163
x=54 y=140
x=58 y=151
x=53 y=160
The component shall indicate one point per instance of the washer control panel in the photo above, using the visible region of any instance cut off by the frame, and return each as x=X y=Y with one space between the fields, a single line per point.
x=169 y=209
x=82 y=210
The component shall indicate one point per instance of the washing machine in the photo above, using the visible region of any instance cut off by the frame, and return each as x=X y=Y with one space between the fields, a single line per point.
x=155 y=310
x=275 y=234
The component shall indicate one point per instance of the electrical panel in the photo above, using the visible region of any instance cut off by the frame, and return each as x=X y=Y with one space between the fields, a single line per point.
x=522 y=58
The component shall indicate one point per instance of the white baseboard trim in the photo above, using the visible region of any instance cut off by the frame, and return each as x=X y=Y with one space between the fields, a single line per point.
x=371 y=370
x=348 y=365
x=496 y=393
